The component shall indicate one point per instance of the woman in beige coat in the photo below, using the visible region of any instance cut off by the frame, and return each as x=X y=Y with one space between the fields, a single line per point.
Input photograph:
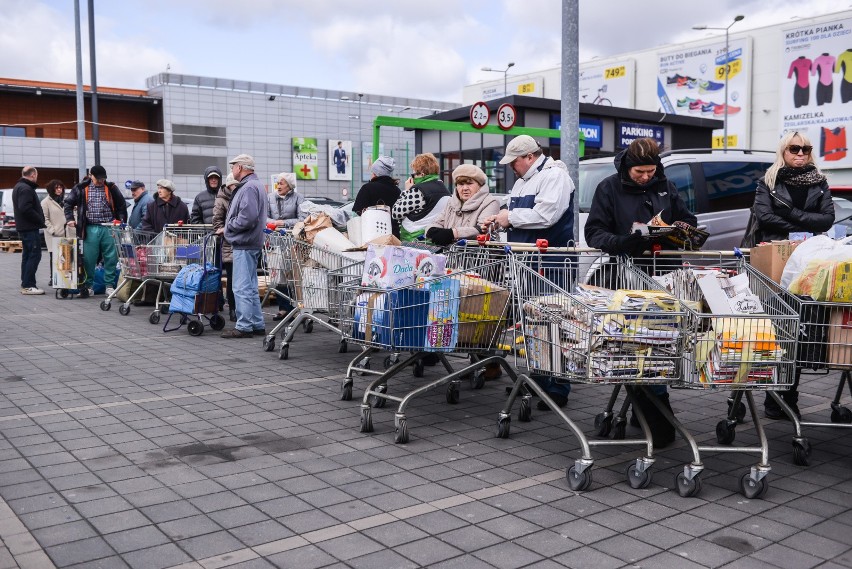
x=470 y=205
x=54 y=217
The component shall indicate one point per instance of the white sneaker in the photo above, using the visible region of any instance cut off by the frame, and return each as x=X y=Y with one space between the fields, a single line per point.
x=32 y=291
x=110 y=291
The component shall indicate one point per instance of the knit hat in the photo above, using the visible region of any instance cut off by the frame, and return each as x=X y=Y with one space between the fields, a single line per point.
x=243 y=160
x=472 y=172
x=520 y=146
x=163 y=183
x=383 y=166
x=230 y=180
x=290 y=178
x=98 y=172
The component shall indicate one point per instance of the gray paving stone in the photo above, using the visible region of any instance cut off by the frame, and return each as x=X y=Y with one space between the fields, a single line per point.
x=79 y=551
x=428 y=551
x=158 y=557
x=385 y=558
x=136 y=538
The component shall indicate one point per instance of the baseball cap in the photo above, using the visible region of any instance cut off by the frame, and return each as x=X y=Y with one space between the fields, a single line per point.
x=243 y=160
x=136 y=184
x=520 y=146
x=98 y=172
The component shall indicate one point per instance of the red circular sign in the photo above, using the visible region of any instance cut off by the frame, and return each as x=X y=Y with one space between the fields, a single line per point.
x=480 y=114
x=506 y=116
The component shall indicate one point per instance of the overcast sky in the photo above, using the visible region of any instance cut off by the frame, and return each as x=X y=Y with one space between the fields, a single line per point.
x=408 y=48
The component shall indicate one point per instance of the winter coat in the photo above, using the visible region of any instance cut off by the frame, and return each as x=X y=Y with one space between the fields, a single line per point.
x=619 y=203
x=28 y=213
x=54 y=217
x=247 y=215
x=289 y=208
x=202 y=205
x=381 y=190
x=776 y=221
x=220 y=212
x=419 y=206
x=77 y=198
x=466 y=218
x=161 y=213
x=140 y=206
x=541 y=204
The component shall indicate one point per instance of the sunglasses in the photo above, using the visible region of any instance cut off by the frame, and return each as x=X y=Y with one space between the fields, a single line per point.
x=795 y=149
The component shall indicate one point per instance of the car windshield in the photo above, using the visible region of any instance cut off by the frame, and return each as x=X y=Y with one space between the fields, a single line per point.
x=591 y=175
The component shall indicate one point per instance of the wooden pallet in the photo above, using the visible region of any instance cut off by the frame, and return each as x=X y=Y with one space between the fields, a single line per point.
x=11 y=246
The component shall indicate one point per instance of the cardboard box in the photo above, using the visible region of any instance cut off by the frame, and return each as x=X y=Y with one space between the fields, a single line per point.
x=840 y=337
x=482 y=311
x=771 y=258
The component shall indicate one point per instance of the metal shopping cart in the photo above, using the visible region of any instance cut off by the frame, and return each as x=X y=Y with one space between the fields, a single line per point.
x=741 y=339
x=131 y=245
x=589 y=318
x=460 y=312
x=175 y=247
x=196 y=291
x=825 y=345
x=300 y=271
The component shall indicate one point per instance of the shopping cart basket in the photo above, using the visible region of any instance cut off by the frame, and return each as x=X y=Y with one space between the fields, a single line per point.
x=131 y=247
x=196 y=291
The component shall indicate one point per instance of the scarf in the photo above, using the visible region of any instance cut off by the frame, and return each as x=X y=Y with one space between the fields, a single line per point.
x=426 y=178
x=57 y=199
x=803 y=177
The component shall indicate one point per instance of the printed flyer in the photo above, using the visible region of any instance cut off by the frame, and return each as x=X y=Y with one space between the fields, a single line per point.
x=692 y=82
x=816 y=88
x=305 y=158
x=610 y=85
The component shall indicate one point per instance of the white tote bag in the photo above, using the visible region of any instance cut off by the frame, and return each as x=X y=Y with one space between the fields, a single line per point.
x=375 y=222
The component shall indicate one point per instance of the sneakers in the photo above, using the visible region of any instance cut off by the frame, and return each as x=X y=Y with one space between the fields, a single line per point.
x=32 y=291
x=259 y=332
x=560 y=400
x=237 y=334
x=109 y=291
x=709 y=86
x=720 y=110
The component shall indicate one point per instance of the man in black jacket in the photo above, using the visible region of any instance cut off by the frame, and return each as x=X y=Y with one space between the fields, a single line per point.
x=98 y=202
x=202 y=206
x=29 y=218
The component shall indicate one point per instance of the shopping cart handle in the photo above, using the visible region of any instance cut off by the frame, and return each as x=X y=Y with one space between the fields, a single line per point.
x=483 y=238
x=180 y=223
x=737 y=253
x=542 y=244
x=271 y=226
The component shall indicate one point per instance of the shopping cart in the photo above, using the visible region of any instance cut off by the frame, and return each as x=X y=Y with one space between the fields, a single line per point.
x=588 y=318
x=175 y=247
x=300 y=271
x=131 y=245
x=825 y=345
x=460 y=313
x=197 y=291
x=741 y=339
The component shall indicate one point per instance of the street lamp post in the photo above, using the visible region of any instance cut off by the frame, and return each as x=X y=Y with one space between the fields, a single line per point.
x=727 y=69
x=505 y=73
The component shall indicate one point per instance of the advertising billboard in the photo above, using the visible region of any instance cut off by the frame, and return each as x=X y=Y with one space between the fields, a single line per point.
x=611 y=85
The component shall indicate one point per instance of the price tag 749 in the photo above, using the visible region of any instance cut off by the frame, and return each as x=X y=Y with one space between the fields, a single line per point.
x=615 y=72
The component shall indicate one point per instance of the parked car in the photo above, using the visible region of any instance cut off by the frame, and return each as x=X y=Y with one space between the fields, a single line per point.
x=322 y=200
x=717 y=186
x=843 y=211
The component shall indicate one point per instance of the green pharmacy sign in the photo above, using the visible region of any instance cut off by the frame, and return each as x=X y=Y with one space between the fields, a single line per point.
x=305 y=158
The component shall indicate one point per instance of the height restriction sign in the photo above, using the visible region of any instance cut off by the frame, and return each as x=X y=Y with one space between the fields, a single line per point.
x=479 y=114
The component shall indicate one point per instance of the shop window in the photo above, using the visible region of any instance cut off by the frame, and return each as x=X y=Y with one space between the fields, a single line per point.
x=197 y=135
x=13 y=131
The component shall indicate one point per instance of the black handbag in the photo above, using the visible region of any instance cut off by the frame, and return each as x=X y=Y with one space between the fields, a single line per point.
x=750 y=239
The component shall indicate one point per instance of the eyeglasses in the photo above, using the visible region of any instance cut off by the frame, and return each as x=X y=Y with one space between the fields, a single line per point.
x=795 y=149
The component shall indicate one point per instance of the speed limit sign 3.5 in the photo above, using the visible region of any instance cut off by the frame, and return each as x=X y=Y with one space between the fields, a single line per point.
x=506 y=116
x=479 y=114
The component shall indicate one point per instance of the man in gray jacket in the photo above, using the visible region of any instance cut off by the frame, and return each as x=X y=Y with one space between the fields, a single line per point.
x=244 y=231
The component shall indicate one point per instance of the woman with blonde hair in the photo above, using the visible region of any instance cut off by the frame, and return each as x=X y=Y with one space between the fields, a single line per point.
x=792 y=197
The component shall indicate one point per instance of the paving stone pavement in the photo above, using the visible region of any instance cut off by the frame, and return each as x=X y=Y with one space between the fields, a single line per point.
x=124 y=447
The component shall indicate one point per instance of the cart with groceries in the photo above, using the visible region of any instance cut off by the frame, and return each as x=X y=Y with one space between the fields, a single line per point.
x=815 y=277
x=131 y=247
x=196 y=292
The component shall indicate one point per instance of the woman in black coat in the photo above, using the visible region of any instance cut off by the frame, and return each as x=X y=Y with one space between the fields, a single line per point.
x=792 y=197
x=382 y=189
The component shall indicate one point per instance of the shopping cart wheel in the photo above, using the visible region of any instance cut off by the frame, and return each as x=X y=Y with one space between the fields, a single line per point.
x=841 y=415
x=105 y=306
x=419 y=368
x=284 y=352
x=726 y=431
x=636 y=479
x=195 y=328
x=268 y=343
x=378 y=402
x=401 y=434
x=525 y=409
x=740 y=413
x=123 y=309
x=752 y=488
x=479 y=379
x=801 y=451
x=503 y=425
x=603 y=423
x=452 y=393
x=363 y=364
x=619 y=429
x=686 y=487
x=579 y=481
x=63 y=293
x=217 y=322
x=346 y=391
x=342 y=347
x=308 y=326
x=366 y=421
x=154 y=318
